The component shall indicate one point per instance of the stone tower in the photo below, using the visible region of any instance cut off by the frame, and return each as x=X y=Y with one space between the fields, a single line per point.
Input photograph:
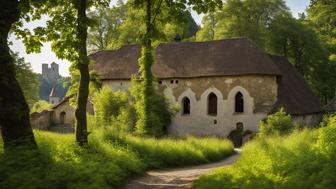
x=53 y=97
x=52 y=72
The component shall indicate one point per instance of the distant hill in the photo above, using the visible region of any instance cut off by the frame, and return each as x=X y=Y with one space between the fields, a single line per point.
x=61 y=85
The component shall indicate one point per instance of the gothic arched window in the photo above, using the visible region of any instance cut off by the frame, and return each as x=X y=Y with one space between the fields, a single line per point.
x=186 y=106
x=212 y=104
x=239 y=102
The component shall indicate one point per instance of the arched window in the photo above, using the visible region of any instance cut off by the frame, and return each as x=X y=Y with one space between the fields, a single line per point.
x=62 y=118
x=239 y=102
x=186 y=106
x=212 y=104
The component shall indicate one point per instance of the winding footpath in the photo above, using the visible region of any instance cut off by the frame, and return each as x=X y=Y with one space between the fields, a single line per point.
x=180 y=178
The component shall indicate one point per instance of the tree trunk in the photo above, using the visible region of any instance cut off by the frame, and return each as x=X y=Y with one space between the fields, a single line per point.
x=83 y=66
x=14 y=111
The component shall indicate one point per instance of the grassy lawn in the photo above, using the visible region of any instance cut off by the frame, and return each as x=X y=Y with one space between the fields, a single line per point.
x=304 y=159
x=107 y=163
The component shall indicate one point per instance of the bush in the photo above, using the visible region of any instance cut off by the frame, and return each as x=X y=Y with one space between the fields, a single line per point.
x=304 y=159
x=326 y=142
x=113 y=109
x=40 y=105
x=278 y=123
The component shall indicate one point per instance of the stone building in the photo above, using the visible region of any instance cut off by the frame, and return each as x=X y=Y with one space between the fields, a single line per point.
x=219 y=84
x=51 y=72
x=53 y=97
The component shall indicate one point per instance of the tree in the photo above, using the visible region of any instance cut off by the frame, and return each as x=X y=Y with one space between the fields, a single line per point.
x=105 y=29
x=249 y=18
x=14 y=111
x=27 y=79
x=148 y=115
x=322 y=15
x=119 y=25
x=67 y=31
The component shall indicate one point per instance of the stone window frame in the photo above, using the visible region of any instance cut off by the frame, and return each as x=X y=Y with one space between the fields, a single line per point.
x=248 y=101
x=220 y=101
x=184 y=113
x=192 y=97
x=212 y=111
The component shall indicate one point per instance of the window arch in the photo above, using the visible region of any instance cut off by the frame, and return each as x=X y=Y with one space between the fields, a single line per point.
x=186 y=106
x=239 y=103
x=212 y=104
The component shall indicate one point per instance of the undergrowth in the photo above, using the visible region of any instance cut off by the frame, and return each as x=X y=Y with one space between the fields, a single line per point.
x=304 y=159
x=107 y=163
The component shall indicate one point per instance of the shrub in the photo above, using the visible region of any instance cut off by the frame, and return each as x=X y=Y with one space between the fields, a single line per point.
x=40 y=105
x=278 y=123
x=326 y=142
x=112 y=108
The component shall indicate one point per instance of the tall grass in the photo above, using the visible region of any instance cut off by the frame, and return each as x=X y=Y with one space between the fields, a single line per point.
x=170 y=152
x=304 y=159
x=107 y=163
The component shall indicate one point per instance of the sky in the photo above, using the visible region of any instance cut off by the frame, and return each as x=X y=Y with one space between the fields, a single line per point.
x=47 y=56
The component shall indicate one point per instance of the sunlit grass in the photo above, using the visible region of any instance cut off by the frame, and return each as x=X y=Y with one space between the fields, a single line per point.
x=107 y=163
x=278 y=163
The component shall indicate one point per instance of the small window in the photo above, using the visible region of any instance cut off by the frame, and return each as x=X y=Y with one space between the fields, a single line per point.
x=215 y=122
x=239 y=103
x=171 y=81
x=176 y=81
x=121 y=84
x=160 y=82
x=212 y=104
x=186 y=106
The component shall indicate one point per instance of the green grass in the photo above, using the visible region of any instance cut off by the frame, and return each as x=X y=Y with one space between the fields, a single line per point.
x=109 y=161
x=171 y=152
x=304 y=159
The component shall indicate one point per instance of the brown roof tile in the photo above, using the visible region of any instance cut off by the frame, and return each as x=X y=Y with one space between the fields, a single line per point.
x=294 y=94
x=188 y=59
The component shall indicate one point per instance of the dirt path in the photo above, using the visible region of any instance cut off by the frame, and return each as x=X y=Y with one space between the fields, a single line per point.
x=180 y=178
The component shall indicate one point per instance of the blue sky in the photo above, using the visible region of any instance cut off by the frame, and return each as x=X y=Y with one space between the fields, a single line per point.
x=47 y=56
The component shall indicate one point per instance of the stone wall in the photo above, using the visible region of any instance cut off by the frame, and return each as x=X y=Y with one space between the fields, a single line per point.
x=41 y=120
x=259 y=93
x=308 y=120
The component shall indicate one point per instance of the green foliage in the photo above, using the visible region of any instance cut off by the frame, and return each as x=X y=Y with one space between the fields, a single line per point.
x=27 y=79
x=119 y=25
x=113 y=109
x=271 y=26
x=159 y=111
x=60 y=163
x=108 y=161
x=322 y=15
x=40 y=105
x=279 y=123
x=326 y=142
x=167 y=152
x=302 y=159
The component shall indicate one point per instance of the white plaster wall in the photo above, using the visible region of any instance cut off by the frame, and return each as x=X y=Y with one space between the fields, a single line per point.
x=200 y=123
x=118 y=85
